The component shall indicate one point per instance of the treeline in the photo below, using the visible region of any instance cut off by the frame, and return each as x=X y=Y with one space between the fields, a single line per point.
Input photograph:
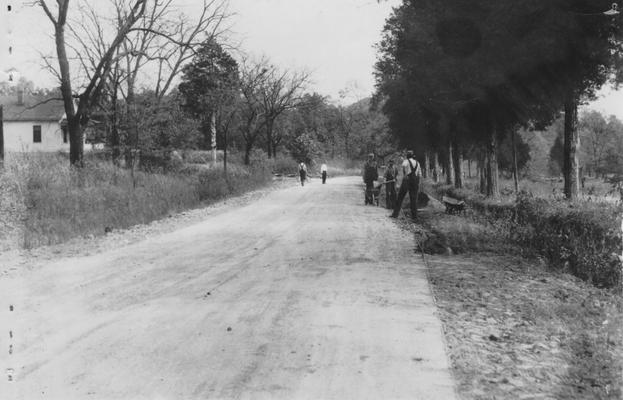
x=460 y=78
x=242 y=105
x=143 y=75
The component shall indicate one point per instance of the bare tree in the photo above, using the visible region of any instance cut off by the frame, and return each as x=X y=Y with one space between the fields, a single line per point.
x=78 y=107
x=281 y=90
x=164 y=42
x=252 y=78
x=152 y=36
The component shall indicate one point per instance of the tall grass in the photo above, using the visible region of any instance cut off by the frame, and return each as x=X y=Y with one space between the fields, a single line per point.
x=62 y=202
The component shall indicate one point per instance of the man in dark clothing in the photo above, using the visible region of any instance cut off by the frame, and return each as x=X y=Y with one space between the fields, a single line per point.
x=370 y=174
x=302 y=172
x=391 y=174
x=411 y=173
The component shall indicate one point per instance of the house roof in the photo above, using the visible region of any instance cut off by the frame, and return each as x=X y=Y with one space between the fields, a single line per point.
x=34 y=108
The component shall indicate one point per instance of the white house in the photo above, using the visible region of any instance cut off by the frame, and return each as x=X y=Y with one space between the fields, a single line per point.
x=33 y=124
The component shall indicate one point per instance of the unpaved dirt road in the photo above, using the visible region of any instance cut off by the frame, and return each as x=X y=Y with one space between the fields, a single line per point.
x=304 y=294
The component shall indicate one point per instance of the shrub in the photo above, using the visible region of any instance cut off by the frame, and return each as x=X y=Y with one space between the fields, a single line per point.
x=581 y=238
x=201 y=156
x=284 y=165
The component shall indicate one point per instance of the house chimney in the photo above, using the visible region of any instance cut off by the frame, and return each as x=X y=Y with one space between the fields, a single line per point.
x=20 y=97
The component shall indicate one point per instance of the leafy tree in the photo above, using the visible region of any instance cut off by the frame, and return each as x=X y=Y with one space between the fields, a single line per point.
x=164 y=124
x=304 y=147
x=209 y=83
x=599 y=140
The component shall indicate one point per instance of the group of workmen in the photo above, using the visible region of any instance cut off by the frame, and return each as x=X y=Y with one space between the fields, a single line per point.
x=411 y=173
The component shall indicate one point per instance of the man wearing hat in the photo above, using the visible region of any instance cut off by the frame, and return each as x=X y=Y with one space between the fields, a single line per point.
x=411 y=173
x=391 y=174
x=370 y=174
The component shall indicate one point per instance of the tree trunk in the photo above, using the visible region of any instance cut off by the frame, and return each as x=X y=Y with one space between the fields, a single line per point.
x=114 y=141
x=213 y=137
x=436 y=167
x=482 y=172
x=571 y=147
x=492 y=164
x=269 y=138
x=247 y=153
x=449 y=167
x=225 y=153
x=76 y=148
x=515 y=178
x=469 y=167
x=114 y=131
x=133 y=125
x=76 y=143
x=457 y=159
x=426 y=169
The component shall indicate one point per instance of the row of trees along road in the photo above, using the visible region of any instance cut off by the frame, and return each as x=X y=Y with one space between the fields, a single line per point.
x=459 y=75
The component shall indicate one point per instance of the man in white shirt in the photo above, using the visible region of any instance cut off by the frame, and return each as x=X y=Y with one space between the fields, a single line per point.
x=323 y=171
x=411 y=173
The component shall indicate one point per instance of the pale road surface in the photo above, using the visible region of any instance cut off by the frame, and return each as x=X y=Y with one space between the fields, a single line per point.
x=312 y=295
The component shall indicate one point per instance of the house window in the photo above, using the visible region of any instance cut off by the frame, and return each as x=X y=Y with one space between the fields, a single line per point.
x=36 y=134
x=65 y=136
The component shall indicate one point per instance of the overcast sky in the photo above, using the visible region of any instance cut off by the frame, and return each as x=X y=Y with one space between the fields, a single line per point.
x=333 y=39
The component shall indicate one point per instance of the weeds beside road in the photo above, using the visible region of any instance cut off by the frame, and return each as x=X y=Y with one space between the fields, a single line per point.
x=56 y=202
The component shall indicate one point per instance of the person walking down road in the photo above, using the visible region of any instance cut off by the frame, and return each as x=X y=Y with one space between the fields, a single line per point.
x=323 y=171
x=411 y=173
x=391 y=174
x=370 y=174
x=302 y=172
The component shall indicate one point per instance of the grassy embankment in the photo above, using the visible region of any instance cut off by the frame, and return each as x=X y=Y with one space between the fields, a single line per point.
x=58 y=202
x=532 y=308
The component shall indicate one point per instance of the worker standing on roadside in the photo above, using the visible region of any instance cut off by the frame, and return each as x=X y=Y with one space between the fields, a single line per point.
x=391 y=174
x=370 y=174
x=323 y=171
x=411 y=173
x=302 y=172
